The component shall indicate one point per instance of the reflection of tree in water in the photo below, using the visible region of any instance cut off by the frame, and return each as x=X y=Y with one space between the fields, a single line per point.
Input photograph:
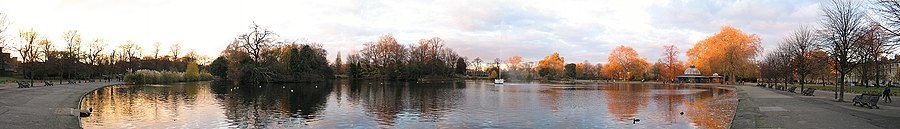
x=669 y=100
x=147 y=104
x=713 y=108
x=625 y=100
x=389 y=102
x=273 y=104
x=550 y=98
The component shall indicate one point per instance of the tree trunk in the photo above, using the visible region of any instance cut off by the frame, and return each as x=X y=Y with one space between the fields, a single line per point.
x=802 y=80
x=731 y=78
x=840 y=96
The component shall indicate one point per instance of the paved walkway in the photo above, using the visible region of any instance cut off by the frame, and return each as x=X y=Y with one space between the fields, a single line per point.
x=50 y=107
x=768 y=108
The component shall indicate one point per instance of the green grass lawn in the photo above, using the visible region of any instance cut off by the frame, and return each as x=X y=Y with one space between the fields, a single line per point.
x=853 y=89
x=8 y=79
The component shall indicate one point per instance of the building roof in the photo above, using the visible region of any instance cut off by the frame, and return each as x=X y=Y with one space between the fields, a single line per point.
x=693 y=71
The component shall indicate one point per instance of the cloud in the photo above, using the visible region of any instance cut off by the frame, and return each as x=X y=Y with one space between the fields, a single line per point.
x=770 y=19
x=487 y=29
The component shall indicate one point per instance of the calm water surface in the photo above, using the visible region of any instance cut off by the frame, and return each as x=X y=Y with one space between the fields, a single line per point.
x=367 y=104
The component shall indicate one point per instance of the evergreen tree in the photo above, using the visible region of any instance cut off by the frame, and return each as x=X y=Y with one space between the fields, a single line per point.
x=338 y=63
x=353 y=70
x=461 y=66
x=219 y=67
x=297 y=64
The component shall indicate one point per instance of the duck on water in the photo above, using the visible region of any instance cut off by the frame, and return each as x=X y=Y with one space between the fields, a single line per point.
x=85 y=113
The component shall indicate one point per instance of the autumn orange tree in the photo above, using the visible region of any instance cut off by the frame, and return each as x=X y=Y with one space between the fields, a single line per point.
x=514 y=62
x=624 y=63
x=515 y=69
x=729 y=52
x=551 y=66
x=669 y=65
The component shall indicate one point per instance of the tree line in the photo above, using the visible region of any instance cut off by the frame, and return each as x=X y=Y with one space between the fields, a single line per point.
x=386 y=59
x=853 y=39
x=259 y=56
x=82 y=58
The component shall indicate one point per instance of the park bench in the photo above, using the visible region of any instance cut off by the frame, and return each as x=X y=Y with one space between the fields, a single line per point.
x=869 y=100
x=71 y=81
x=23 y=84
x=792 y=89
x=47 y=83
x=808 y=92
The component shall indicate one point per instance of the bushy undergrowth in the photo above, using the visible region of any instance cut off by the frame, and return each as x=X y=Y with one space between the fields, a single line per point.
x=160 y=77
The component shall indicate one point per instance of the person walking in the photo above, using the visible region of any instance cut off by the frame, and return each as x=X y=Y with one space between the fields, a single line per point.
x=887 y=94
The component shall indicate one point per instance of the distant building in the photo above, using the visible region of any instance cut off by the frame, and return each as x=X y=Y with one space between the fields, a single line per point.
x=8 y=64
x=693 y=74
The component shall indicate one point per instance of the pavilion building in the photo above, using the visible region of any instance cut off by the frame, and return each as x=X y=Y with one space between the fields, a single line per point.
x=693 y=75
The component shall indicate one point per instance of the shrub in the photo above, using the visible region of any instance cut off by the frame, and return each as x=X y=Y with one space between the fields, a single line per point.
x=192 y=73
x=160 y=77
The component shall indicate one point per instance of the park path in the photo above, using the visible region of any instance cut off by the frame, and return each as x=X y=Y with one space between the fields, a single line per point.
x=43 y=107
x=768 y=108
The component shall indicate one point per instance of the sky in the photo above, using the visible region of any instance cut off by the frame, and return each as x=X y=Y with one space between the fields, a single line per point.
x=578 y=29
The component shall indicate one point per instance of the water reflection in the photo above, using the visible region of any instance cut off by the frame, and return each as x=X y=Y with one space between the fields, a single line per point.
x=267 y=105
x=355 y=104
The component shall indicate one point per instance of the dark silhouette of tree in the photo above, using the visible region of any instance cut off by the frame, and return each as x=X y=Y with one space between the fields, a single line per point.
x=888 y=13
x=386 y=56
x=256 y=41
x=290 y=62
x=94 y=49
x=871 y=46
x=29 y=47
x=219 y=67
x=461 y=66
x=570 y=70
x=799 y=45
x=175 y=49
x=156 y=49
x=843 y=23
x=338 y=64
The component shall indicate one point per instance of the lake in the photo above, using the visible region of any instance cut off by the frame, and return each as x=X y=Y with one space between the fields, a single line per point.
x=377 y=104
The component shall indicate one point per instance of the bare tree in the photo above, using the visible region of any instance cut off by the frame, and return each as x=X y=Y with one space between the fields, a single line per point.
x=130 y=50
x=46 y=47
x=888 y=12
x=73 y=44
x=477 y=65
x=776 y=65
x=175 y=49
x=842 y=26
x=156 y=49
x=671 y=64
x=95 y=48
x=191 y=56
x=870 y=46
x=256 y=41
x=4 y=24
x=799 y=45
x=28 y=48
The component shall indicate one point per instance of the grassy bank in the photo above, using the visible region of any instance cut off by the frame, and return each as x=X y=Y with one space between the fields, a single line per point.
x=161 y=77
x=852 y=89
